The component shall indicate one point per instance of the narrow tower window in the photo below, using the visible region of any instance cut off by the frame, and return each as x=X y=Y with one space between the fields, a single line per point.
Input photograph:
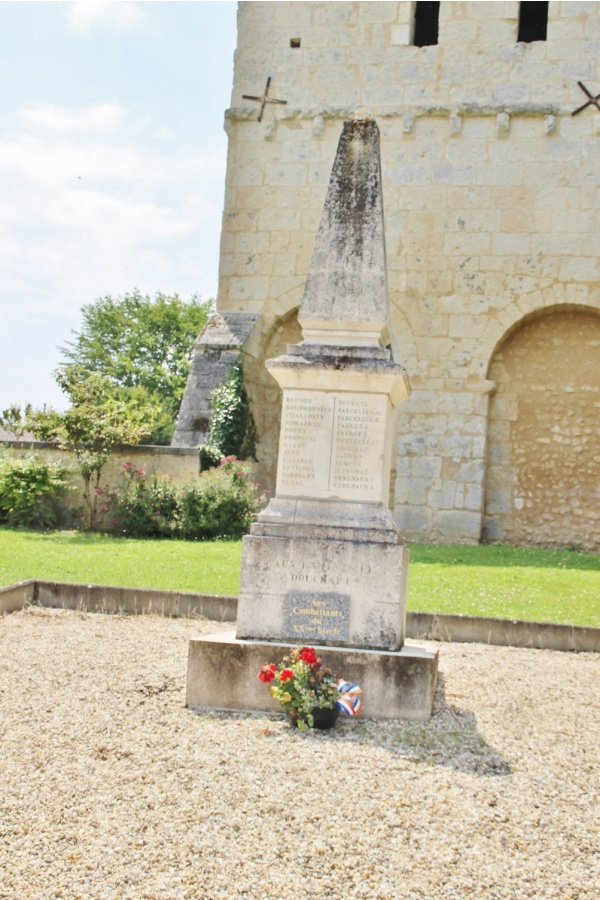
x=295 y=43
x=533 y=22
x=427 y=17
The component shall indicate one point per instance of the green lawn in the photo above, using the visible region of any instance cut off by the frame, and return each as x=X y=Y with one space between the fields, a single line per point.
x=506 y=582
x=497 y=581
x=210 y=568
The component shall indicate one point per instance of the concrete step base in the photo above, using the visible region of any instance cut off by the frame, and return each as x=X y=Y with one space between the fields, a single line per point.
x=223 y=675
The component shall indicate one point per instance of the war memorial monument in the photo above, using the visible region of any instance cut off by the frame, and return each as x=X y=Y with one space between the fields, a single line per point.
x=325 y=563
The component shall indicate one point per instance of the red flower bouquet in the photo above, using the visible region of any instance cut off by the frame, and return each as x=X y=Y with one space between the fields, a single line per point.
x=304 y=688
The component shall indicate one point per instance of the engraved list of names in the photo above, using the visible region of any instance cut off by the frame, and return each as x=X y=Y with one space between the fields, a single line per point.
x=332 y=445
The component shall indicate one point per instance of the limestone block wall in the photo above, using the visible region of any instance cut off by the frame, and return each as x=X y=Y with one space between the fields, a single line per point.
x=178 y=464
x=491 y=196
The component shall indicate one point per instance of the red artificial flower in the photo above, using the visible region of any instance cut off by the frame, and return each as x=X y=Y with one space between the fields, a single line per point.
x=308 y=655
x=286 y=675
x=267 y=673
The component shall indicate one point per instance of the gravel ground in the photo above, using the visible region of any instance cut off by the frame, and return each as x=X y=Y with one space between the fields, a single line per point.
x=110 y=788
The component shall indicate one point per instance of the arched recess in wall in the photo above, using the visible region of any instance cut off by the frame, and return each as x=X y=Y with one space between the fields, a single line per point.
x=543 y=466
x=265 y=393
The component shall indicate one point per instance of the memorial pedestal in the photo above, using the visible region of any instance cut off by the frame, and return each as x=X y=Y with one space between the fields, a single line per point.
x=222 y=675
x=307 y=590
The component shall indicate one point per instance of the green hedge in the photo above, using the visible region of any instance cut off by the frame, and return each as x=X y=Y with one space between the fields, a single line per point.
x=221 y=502
x=31 y=492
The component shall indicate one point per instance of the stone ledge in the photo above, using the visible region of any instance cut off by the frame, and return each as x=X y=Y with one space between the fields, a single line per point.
x=386 y=111
x=129 y=449
x=110 y=599
x=502 y=632
x=17 y=596
x=419 y=625
x=395 y=684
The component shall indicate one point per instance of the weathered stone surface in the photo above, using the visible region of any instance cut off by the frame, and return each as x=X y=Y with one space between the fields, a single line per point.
x=228 y=331
x=327 y=519
x=394 y=685
x=310 y=572
x=345 y=299
x=334 y=445
x=484 y=231
x=216 y=349
x=353 y=592
x=541 y=421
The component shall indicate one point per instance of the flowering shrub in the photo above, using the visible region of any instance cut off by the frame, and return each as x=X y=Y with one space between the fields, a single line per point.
x=30 y=492
x=302 y=685
x=148 y=506
x=221 y=502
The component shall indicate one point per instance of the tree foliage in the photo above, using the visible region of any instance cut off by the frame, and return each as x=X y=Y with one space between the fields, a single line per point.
x=140 y=342
x=13 y=420
x=95 y=423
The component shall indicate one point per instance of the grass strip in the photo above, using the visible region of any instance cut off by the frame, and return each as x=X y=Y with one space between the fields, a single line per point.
x=506 y=583
x=494 y=580
x=202 y=567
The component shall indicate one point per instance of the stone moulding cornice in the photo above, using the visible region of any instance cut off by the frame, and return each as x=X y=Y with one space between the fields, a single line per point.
x=471 y=110
x=372 y=376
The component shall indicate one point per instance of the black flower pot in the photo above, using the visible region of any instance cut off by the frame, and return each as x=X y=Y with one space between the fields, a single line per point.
x=323 y=717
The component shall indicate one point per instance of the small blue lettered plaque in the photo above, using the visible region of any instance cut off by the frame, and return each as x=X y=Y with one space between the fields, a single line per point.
x=311 y=615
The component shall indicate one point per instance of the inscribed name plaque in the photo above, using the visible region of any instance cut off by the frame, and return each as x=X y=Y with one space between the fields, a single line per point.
x=316 y=616
x=334 y=445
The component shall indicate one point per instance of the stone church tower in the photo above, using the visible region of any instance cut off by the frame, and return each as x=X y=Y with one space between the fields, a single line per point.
x=490 y=141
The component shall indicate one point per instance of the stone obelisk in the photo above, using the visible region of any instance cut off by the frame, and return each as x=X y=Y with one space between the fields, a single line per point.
x=324 y=563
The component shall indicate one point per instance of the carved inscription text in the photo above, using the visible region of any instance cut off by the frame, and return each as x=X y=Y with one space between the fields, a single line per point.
x=332 y=445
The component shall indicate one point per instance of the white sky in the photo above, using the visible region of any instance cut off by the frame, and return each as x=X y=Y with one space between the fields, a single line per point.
x=112 y=165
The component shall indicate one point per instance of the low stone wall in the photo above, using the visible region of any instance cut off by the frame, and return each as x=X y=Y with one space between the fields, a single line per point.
x=419 y=625
x=108 y=599
x=16 y=596
x=503 y=632
x=179 y=463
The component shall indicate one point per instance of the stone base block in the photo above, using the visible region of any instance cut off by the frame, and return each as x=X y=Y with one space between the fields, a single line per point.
x=323 y=591
x=223 y=675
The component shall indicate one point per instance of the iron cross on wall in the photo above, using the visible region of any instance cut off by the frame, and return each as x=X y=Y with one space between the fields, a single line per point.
x=593 y=101
x=264 y=99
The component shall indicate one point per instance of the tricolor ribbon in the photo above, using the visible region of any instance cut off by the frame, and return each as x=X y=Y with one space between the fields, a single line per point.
x=349 y=702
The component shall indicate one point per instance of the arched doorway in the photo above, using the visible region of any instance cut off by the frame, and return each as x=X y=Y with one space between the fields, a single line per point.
x=543 y=455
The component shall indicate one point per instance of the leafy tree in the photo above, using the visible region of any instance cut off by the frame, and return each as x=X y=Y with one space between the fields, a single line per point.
x=96 y=422
x=138 y=341
x=13 y=420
